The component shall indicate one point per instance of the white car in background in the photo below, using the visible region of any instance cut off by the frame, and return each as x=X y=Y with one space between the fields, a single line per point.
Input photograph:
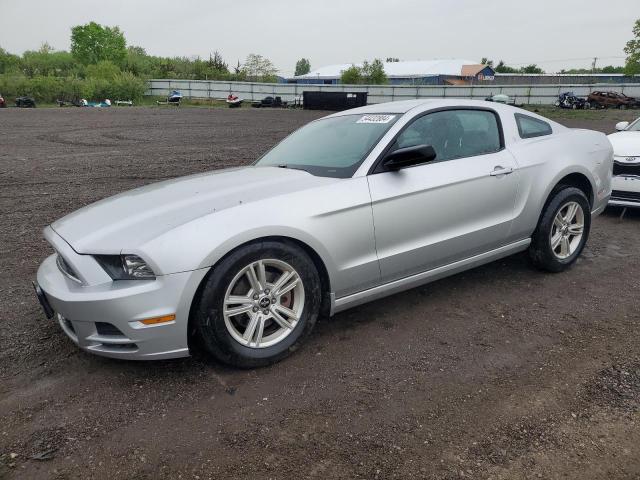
x=626 y=166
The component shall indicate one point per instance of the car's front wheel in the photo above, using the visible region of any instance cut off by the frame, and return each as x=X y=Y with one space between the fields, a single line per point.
x=562 y=231
x=258 y=304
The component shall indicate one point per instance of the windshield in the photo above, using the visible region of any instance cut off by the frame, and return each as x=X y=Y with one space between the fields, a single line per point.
x=330 y=147
x=634 y=127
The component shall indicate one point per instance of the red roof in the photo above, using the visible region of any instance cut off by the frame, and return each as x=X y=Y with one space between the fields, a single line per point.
x=472 y=70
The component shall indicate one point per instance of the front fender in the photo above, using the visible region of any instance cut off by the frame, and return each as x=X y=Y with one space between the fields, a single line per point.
x=334 y=220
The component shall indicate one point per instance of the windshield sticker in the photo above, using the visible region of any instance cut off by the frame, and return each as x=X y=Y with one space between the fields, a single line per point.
x=376 y=119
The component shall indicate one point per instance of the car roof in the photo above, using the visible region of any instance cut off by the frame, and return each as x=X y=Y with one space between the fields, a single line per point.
x=421 y=105
x=405 y=106
x=402 y=106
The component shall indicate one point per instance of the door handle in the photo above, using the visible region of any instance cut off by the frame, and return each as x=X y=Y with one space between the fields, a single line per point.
x=500 y=170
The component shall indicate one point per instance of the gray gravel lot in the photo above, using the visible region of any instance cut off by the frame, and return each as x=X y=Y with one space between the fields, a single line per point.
x=501 y=372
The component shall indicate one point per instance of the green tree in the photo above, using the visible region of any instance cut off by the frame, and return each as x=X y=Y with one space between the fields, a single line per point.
x=533 y=68
x=503 y=68
x=303 y=66
x=368 y=74
x=138 y=62
x=607 y=69
x=373 y=73
x=632 y=50
x=92 y=43
x=612 y=69
x=351 y=76
x=217 y=63
x=105 y=70
x=8 y=61
x=259 y=69
x=46 y=61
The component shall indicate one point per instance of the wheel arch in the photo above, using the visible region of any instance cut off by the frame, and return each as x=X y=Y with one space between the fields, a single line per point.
x=579 y=181
x=573 y=179
x=323 y=272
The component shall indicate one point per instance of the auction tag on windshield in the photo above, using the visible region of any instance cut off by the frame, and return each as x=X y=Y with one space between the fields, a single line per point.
x=376 y=119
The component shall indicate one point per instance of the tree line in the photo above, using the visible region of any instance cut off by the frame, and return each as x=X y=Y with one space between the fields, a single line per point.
x=100 y=65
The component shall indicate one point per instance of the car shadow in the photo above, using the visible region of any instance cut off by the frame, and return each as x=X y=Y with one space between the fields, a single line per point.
x=622 y=213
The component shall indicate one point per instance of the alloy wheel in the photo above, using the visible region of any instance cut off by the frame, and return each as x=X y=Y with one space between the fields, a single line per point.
x=263 y=303
x=567 y=230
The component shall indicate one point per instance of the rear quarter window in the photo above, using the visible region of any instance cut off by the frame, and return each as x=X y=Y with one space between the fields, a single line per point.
x=530 y=127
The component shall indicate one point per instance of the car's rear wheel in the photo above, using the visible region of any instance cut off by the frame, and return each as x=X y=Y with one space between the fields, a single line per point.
x=562 y=231
x=258 y=304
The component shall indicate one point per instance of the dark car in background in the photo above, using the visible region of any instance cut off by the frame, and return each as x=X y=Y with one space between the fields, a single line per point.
x=269 y=102
x=572 y=101
x=600 y=99
x=25 y=102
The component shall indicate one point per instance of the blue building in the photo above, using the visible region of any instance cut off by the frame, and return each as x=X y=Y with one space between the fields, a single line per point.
x=430 y=72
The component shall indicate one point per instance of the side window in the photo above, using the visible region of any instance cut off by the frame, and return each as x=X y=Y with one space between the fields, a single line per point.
x=454 y=133
x=530 y=127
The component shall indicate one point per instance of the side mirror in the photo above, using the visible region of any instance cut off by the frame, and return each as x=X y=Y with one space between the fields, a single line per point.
x=408 y=157
x=622 y=126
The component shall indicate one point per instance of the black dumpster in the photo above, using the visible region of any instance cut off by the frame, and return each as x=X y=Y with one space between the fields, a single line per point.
x=334 y=101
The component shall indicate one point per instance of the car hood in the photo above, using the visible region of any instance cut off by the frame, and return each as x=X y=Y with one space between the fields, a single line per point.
x=132 y=218
x=625 y=144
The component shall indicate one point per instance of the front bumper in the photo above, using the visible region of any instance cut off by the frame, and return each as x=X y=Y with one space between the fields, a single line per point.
x=105 y=318
x=626 y=191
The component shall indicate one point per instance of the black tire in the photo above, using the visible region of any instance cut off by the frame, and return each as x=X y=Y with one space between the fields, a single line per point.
x=209 y=321
x=540 y=251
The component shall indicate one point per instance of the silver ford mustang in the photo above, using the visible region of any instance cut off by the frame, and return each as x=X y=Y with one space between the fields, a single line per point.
x=348 y=209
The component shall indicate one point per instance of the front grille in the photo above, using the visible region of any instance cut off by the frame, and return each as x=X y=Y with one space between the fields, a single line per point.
x=118 y=348
x=626 y=169
x=66 y=268
x=628 y=196
x=104 y=328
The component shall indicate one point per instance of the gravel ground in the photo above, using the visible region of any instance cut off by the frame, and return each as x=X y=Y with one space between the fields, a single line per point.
x=501 y=372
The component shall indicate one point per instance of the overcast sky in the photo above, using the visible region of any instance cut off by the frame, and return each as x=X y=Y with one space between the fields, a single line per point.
x=330 y=31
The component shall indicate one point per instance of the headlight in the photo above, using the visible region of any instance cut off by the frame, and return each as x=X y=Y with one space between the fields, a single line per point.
x=125 y=267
